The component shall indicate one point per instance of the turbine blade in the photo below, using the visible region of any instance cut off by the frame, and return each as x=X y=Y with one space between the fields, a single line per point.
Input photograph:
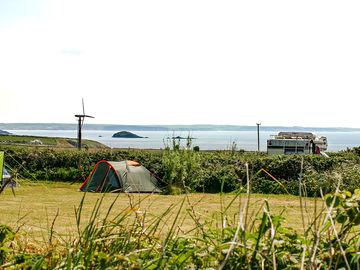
x=83 y=105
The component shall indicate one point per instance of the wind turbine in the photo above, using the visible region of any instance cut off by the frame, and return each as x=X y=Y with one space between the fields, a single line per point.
x=81 y=118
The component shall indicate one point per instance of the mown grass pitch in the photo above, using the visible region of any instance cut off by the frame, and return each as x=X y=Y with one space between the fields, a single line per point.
x=39 y=206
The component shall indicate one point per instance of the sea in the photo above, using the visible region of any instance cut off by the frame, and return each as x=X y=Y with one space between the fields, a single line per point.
x=206 y=140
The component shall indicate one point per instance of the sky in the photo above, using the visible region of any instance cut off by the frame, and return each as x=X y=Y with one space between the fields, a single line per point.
x=288 y=63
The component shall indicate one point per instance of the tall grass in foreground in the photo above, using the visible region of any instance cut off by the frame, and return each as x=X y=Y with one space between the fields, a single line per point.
x=247 y=240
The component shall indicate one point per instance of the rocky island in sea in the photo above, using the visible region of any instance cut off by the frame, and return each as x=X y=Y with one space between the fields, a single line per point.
x=126 y=134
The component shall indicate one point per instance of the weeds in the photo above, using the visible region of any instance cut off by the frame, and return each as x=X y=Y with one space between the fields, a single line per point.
x=135 y=239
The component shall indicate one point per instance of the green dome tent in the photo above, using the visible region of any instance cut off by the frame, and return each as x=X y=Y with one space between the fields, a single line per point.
x=121 y=176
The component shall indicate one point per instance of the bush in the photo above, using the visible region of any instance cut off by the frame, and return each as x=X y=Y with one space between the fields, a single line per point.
x=203 y=171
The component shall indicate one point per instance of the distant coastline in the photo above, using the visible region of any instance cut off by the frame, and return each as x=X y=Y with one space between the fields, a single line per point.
x=3 y=132
x=110 y=127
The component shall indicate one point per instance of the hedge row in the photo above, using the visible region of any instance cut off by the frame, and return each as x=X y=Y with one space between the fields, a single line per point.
x=213 y=171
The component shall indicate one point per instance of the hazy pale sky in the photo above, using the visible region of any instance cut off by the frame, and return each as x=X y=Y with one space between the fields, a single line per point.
x=181 y=62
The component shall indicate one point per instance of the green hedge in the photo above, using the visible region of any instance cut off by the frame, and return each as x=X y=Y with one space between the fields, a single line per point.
x=204 y=171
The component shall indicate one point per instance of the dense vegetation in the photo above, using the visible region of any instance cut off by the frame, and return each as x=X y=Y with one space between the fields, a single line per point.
x=132 y=239
x=180 y=169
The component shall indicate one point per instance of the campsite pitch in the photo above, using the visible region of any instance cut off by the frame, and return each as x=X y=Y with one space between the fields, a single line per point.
x=38 y=208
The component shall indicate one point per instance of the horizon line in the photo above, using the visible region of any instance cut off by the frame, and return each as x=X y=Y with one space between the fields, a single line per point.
x=179 y=125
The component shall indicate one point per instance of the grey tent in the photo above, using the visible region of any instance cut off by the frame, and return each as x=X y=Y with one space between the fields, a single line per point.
x=120 y=176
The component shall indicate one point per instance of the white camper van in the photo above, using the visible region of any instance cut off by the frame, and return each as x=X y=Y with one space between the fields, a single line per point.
x=296 y=143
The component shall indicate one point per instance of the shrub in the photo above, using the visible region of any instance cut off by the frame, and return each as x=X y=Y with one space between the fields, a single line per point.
x=203 y=171
x=181 y=167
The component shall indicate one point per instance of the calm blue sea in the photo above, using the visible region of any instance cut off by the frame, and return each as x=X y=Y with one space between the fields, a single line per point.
x=206 y=140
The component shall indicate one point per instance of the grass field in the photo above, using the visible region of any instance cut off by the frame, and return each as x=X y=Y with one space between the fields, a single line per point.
x=53 y=142
x=36 y=206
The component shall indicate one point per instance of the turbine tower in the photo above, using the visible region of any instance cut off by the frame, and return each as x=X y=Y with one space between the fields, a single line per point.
x=81 y=118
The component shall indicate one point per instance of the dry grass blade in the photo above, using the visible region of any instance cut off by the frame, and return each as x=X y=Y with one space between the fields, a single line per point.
x=242 y=221
x=274 y=178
